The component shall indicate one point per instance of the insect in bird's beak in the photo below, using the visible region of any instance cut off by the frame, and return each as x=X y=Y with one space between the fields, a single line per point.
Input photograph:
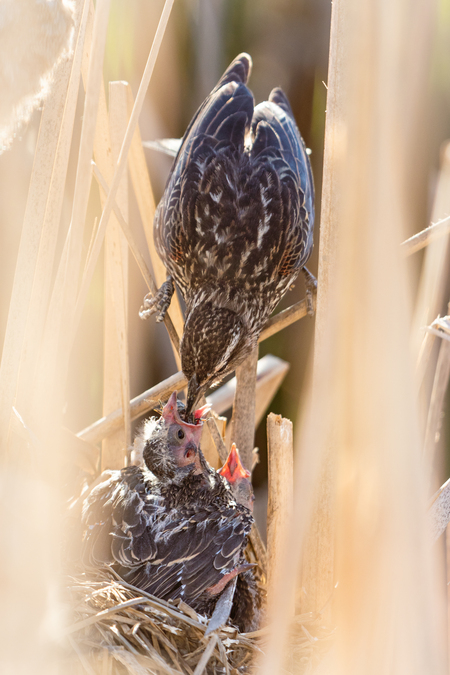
x=202 y=412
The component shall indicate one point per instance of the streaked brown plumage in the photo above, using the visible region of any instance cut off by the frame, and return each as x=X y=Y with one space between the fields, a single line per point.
x=234 y=226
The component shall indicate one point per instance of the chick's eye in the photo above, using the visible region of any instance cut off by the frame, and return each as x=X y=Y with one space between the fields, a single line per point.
x=180 y=434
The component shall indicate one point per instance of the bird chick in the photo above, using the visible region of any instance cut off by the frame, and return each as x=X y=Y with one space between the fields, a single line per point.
x=124 y=502
x=181 y=535
x=170 y=443
x=247 y=601
x=239 y=478
x=234 y=226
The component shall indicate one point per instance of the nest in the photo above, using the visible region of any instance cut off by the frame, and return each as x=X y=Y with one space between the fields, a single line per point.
x=118 y=629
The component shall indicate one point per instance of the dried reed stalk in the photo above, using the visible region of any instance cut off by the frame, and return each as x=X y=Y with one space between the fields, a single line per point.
x=30 y=292
x=146 y=203
x=41 y=290
x=138 y=406
x=434 y=273
x=116 y=376
x=284 y=318
x=418 y=241
x=123 y=155
x=60 y=328
x=243 y=417
x=362 y=410
x=317 y=574
x=280 y=458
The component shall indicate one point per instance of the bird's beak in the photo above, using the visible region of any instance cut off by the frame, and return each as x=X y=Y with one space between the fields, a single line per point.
x=233 y=468
x=193 y=395
x=201 y=412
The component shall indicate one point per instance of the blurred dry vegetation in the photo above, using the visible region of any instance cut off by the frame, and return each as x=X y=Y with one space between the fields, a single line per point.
x=289 y=43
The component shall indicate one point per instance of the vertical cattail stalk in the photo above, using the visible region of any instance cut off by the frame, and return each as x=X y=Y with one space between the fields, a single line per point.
x=280 y=456
x=116 y=376
x=362 y=422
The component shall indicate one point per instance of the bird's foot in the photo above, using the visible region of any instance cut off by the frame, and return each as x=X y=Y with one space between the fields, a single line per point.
x=159 y=302
x=311 y=288
x=218 y=588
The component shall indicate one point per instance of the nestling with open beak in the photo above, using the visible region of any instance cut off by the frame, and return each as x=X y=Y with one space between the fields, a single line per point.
x=121 y=507
x=178 y=533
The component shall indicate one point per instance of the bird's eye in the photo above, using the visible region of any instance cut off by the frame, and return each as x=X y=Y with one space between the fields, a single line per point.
x=180 y=434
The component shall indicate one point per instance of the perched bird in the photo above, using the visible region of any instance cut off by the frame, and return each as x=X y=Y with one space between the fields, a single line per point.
x=234 y=226
x=180 y=534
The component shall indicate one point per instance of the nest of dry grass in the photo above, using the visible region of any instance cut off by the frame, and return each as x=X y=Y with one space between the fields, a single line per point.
x=118 y=629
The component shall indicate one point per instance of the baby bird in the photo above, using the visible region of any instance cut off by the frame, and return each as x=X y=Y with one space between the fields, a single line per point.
x=234 y=226
x=125 y=500
x=179 y=533
x=246 y=608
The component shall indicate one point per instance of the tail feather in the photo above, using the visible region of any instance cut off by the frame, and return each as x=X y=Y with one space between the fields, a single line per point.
x=238 y=71
x=278 y=97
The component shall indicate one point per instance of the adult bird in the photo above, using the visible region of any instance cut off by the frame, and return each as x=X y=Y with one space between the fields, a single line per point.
x=234 y=226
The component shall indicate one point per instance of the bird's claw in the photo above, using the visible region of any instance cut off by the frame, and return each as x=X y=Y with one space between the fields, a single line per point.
x=158 y=303
x=311 y=288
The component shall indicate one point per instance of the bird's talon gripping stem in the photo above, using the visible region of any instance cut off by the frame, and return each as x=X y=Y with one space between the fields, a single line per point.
x=311 y=287
x=159 y=302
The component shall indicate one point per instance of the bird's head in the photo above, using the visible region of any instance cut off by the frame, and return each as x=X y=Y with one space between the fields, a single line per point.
x=174 y=444
x=215 y=341
x=239 y=478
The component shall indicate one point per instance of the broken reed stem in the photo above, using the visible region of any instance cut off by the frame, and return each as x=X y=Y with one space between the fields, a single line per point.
x=421 y=239
x=243 y=418
x=280 y=458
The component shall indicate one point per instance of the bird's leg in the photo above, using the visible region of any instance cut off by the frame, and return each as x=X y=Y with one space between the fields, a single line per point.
x=311 y=286
x=159 y=302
